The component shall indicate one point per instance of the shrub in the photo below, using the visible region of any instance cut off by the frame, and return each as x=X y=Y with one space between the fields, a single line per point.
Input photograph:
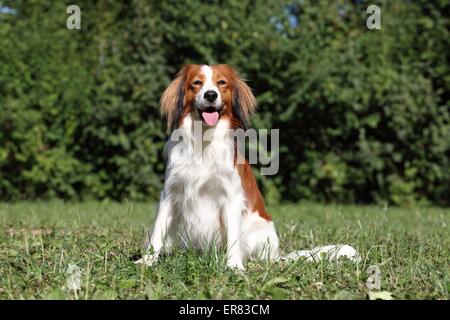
x=363 y=115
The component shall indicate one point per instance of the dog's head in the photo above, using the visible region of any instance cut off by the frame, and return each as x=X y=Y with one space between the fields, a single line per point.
x=212 y=92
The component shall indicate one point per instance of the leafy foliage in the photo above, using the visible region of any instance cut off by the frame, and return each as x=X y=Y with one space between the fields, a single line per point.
x=363 y=114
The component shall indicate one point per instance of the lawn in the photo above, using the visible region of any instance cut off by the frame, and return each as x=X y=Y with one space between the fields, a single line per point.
x=43 y=244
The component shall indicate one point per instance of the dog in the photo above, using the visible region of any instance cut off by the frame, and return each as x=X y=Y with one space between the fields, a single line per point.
x=209 y=198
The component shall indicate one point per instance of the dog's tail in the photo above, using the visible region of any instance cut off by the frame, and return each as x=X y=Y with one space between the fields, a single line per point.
x=330 y=252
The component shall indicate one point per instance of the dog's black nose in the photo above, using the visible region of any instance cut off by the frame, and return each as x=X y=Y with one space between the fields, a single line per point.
x=210 y=95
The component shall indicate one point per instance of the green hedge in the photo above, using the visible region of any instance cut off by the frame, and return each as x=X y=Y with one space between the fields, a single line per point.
x=363 y=115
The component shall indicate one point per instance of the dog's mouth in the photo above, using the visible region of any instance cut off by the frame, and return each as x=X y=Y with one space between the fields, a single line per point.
x=210 y=115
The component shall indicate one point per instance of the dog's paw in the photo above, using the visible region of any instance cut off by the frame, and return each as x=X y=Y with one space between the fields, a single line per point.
x=236 y=265
x=148 y=260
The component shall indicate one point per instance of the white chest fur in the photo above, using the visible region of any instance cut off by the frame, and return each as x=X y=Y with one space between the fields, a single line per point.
x=201 y=180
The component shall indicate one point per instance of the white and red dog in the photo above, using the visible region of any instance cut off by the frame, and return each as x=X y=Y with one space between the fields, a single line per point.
x=214 y=200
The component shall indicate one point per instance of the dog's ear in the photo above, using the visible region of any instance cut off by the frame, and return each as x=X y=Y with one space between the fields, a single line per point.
x=244 y=102
x=173 y=100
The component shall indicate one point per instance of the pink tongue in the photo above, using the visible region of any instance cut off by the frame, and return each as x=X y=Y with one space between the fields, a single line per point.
x=210 y=118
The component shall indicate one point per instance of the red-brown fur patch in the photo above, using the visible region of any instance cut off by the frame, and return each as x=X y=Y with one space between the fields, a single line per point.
x=251 y=190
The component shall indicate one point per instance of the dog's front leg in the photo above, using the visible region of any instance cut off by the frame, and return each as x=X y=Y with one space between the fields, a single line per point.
x=157 y=241
x=233 y=221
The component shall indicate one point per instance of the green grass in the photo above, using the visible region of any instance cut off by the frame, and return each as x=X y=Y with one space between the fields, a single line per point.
x=38 y=242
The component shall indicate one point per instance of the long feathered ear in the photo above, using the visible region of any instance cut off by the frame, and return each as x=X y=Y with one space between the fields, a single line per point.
x=244 y=102
x=173 y=100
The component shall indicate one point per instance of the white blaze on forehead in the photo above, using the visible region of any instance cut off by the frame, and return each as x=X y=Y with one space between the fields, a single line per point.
x=207 y=71
x=208 y=85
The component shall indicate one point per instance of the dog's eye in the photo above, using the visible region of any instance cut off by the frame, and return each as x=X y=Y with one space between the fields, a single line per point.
x=221 y=82
x=197 y=83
